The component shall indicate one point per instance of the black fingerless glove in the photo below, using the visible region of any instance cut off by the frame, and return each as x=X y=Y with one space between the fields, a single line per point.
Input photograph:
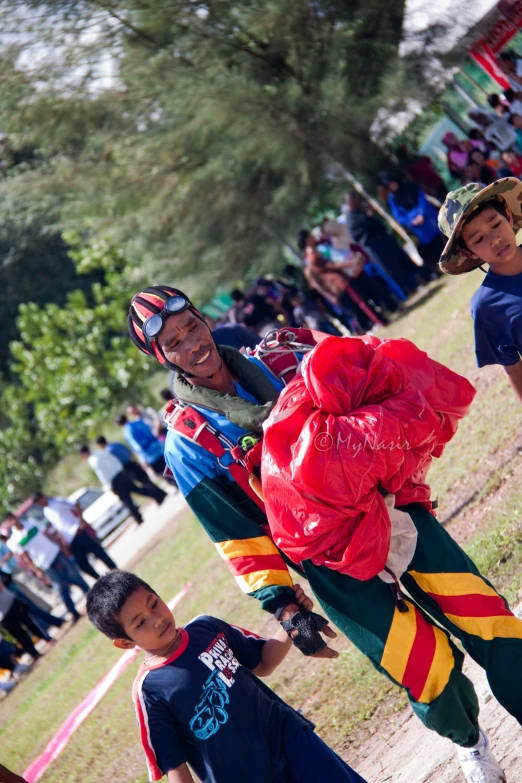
x=307 y=624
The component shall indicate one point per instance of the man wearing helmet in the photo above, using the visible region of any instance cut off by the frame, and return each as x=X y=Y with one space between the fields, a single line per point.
x=222 y=400
x=234 y=522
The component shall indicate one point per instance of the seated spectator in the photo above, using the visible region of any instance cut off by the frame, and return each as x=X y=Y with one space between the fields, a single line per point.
x=22 y=581
x=457 y=155
x=478 y=170
x=478 y=140
x=333 y=283
x=15 y=618
x=511 y=66
x=421 y=171
x=368 y=230
x=513 y=163
x=166 y=395
x=499 y=104
x=259 y=309
x=9 y=655
x=310 y=312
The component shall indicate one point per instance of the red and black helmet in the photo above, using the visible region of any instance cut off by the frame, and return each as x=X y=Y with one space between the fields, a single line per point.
x=152 y=301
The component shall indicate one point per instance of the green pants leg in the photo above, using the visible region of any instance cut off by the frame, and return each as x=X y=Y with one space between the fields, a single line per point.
x=406 y=647
x=444 y=581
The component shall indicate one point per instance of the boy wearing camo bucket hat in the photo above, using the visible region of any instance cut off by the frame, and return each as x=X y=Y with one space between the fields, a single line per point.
x=481 y=225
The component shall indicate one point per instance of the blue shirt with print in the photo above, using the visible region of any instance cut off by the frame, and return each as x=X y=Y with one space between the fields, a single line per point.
x=204 y=707
x=496 y=309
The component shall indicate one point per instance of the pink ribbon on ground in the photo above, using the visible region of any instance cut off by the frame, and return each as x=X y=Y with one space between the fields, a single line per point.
x=55 y=746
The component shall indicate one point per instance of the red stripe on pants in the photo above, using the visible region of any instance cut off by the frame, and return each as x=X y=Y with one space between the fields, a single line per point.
x=471 y=605
x=421 y=657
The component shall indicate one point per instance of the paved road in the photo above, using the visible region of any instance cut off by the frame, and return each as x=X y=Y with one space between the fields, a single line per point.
x=135 y=539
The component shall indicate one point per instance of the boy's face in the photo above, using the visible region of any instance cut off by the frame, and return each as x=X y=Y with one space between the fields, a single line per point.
x=490 y=237
x=148 y=621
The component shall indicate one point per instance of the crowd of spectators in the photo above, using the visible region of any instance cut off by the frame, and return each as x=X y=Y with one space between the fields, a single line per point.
x=353 y=272
x=493 y=147
x=45 y=554
x=39 y=552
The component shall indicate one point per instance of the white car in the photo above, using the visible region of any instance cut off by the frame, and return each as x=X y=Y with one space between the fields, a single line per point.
x=102 y=510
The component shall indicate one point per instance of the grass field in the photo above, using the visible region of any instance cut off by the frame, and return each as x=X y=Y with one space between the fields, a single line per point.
x=477 y=481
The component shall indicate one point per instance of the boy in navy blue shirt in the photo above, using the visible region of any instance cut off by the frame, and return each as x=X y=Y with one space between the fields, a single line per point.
x=481 y=225
x=198 y=698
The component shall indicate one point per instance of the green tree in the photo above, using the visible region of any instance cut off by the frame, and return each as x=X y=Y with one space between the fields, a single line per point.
x=218 y=125
x=34 y=265
x=70 y=367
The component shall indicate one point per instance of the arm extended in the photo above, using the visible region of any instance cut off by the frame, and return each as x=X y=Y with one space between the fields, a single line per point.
x=274 y=652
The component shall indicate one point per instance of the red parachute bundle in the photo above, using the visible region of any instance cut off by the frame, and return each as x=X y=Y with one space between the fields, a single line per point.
x=364 y=414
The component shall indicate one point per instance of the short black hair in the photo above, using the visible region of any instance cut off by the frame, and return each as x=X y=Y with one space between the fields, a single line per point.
x=166 y=395
x=121 y=420
x=84 y=450
x=509 y=56
x=493 y=203
x=101 y=440
x=107 y=597
x=237 y=294
x=35 y=496
x=494 y=100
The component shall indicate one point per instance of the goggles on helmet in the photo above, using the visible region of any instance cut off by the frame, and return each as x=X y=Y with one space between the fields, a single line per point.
x=154 y=325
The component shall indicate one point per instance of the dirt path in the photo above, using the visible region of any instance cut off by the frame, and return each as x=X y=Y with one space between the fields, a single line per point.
x=405 y=752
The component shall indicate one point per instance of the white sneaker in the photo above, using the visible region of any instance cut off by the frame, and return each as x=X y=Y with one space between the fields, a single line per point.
x=479 y=764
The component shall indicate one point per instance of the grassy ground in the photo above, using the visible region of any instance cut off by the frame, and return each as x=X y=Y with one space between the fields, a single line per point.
x=477 y=480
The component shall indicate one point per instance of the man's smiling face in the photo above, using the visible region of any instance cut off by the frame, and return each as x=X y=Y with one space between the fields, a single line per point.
x=186 y=341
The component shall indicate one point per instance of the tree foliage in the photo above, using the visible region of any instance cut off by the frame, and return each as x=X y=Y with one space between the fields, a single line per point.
x=34 y=264
x=71 y=366
x=196 y=134
x=170 y=141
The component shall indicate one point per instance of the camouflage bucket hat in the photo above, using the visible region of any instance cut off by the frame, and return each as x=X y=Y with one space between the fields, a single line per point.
x=457 y=208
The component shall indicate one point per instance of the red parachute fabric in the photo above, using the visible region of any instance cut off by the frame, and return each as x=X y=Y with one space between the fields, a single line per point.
x=365 y=413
